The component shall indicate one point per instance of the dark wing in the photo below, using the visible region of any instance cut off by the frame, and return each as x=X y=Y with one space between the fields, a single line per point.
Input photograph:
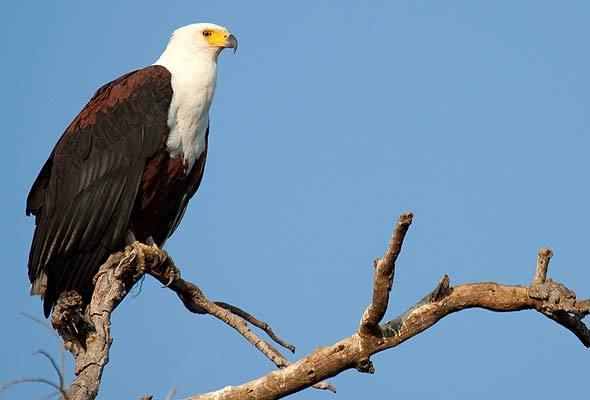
x=84 y=193
x=178 y=208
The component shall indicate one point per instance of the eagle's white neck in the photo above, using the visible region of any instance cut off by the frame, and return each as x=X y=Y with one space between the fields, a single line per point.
x=194 y=75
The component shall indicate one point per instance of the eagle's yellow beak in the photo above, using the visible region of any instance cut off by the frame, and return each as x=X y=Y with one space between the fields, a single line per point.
x=231 y=42
x=222 y=39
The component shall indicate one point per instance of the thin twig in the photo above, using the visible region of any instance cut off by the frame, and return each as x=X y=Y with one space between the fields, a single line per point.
x=50 y=395
x=55 y=367
x=195 y=301
x=60 y=342
x=257 y=323
x=32 y=380
x=60 y=372
x=41 y=322
x=171 y=394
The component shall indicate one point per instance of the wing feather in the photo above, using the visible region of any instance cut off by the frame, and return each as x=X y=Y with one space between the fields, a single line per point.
x=83 y=197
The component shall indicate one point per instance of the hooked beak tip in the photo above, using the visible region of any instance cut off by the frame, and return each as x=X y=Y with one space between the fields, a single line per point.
x=232 y=41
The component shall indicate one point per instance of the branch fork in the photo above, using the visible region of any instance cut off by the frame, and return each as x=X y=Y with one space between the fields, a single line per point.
x=559 y=303
x=86 y=333
x=550 y=298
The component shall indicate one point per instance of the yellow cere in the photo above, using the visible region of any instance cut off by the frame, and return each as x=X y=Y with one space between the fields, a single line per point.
x=215 y=37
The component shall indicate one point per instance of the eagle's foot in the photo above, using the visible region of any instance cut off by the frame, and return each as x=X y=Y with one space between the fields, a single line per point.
x=144 y=256
x=149 y=258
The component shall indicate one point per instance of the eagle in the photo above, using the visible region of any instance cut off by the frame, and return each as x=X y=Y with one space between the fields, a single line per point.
x=127 y=166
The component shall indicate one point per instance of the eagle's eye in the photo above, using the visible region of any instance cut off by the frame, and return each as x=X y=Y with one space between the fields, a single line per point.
x=207 y=33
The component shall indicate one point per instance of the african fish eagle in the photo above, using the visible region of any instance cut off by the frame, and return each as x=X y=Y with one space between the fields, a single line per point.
x=127 y=165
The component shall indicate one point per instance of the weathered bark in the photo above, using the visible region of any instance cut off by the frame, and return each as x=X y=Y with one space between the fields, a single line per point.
x=356 y=350
x=87 y=335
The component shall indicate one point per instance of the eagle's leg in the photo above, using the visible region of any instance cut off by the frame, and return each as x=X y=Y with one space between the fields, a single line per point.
x=129 y=238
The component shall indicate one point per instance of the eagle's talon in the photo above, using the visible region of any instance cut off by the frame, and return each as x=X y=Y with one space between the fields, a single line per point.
x=174 y=274
x=168 y=283
x=138 y=255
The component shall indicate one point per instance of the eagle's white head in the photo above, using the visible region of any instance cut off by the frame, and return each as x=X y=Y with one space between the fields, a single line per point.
x=195 y=42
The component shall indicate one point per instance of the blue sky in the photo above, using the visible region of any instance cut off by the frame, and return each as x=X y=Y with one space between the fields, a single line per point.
x=331 y=120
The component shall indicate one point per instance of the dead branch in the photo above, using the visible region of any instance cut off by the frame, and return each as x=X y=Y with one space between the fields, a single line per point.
x=549 y=298
x=195 y=301
x=257 y=323
x=383 y=281
x=356 y=350
x=59 y=369
x=33 y=380
x=87 y=334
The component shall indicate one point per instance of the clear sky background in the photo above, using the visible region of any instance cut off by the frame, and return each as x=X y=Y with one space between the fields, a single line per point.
x=331 y=120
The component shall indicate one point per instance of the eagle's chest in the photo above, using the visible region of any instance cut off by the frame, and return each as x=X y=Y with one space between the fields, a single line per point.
x=188 y=119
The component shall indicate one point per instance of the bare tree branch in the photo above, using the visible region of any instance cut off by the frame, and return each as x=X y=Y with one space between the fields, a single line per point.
x=87 y=334
x=195 y=301
x=58 y=371
x=551 y=299
x=32 y=380
x=60 y=343
x=257 y=323
x=383 y=281
x=355 y=351
x=171 y=394
x=60 y=387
